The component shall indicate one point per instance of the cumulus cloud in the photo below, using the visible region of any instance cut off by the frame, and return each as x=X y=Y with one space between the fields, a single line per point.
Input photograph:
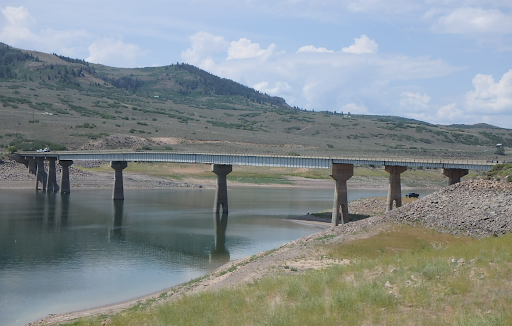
x=490 y=97
x=244 y=49
x=18 y=17
x=19 y=21
x=279 y=88
x=18 y=31
x=474 y=21
x=450 y=114
x=114 y=53
x=353 y=108
x=312 y=80
x=414 y=101
x=362 y=45
x=204 y=46
x=311 y=48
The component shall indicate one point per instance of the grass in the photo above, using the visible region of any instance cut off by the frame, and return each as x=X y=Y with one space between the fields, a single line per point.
x=268 y=175
x=401 y=276
x=499 y=172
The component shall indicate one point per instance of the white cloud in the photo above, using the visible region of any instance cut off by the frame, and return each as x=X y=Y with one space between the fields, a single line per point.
x=353 y=108
x=18 y=32
x=279 y=88
x=17 y=29
x=474 y=21
x=18 y=17
x=316 y=81
x=450 y=114
x=245 y=49
x=490 y=97
x=204 y=45
x=362 y=45
x=114 y=53
x=311 y=48
x=414 y=101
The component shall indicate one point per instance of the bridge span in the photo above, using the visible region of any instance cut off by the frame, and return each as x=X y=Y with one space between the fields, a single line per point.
x=341 y=169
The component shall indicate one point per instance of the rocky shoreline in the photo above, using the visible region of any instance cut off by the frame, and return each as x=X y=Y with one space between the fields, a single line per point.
x=476 y=208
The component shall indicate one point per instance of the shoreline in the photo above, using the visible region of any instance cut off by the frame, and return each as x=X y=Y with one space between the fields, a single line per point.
x=219 y=278
x=88 y=180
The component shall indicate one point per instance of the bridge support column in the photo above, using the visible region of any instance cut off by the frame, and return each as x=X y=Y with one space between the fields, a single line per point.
x=41 y=175
x=118 y=166
x=65 y=187
x=221 y=195
x=340 y=173
x=454 y=175
x=395 y=187
x=32 y=165
x=52 y=185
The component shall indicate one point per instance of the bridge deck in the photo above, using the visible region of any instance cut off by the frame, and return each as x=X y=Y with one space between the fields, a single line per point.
x=261 y=160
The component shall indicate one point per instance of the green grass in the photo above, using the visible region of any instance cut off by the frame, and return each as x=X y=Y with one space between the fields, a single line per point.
x=499 y=172
x=266 y=175
x=424 y=287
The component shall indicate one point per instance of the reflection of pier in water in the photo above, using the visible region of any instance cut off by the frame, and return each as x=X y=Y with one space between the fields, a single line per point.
x=179 y=242
x=54 y=214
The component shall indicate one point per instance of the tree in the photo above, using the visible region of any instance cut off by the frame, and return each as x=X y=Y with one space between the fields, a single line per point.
x=12 y=149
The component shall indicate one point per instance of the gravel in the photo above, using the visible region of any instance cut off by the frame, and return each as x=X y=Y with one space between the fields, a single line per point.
x=477 y=208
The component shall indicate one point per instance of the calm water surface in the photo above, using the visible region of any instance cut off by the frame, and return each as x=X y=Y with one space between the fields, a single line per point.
x=65 y=253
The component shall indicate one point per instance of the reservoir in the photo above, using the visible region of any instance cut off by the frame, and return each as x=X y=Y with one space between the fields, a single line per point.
x=65 y=253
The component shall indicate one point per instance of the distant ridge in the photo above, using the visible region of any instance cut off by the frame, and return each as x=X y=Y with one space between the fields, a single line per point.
x=474 y=126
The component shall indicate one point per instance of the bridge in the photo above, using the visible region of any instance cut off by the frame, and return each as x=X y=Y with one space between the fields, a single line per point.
x=341 y=169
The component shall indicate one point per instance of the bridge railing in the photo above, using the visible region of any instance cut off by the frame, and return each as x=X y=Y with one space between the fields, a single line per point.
x=260 y=160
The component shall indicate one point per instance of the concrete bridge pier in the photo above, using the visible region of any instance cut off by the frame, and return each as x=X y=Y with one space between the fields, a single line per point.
x=340 y=173
x=32 y=165
x=65 y=187
x=52 y=185
x=118 y=166
x=454 y=175
x=221 y=195
x=395 y=187
x=41 y=175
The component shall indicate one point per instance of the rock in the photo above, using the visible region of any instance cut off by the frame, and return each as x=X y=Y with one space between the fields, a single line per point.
x=476 y=208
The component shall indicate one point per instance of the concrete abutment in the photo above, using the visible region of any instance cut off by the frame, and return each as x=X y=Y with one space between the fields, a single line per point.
x=454 y=175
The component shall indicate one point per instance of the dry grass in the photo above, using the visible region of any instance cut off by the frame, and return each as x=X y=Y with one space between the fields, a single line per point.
x=401 y=276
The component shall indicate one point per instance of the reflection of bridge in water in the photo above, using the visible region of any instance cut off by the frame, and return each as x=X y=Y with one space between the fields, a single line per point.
x=54 y=214
x=341 y=169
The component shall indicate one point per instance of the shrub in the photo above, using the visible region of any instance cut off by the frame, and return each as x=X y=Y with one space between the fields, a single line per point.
x=12 y=149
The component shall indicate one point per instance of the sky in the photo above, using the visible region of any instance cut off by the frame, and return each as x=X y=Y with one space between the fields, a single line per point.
x=440 y=61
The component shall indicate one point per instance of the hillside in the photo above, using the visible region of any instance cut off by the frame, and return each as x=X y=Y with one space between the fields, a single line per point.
x=64 y=103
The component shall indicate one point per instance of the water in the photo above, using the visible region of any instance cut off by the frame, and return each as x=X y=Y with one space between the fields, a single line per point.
x=66 y=253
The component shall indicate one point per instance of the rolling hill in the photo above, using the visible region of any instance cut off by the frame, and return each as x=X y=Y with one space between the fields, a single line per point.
x=54 y=101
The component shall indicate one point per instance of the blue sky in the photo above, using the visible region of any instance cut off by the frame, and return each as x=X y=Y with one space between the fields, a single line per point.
x=441 y=61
